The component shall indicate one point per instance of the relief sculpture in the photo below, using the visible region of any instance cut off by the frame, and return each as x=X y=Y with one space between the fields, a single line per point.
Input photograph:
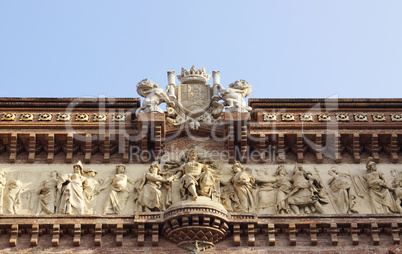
x=342 y=193
x=119 y=193
x=13 y=196
x=71 y=193
x=243 y=182
x=307 y=193
x=149 y=188
x=374 y=186
x=284 y=187
x=3 y=182
x=397 y=185
x=91 y=190
x=47 y=195
x=196 y=179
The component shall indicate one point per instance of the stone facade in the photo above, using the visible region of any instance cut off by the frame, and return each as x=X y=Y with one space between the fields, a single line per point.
x=211 y=174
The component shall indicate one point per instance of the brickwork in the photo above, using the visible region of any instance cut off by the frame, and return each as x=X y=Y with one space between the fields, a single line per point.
x=287 y=139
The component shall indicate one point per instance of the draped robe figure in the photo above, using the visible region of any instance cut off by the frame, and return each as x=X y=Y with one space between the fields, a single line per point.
x=47 y=195
x=307 y=193
x=243 y=182
x=196 y=178
x=13 y=197
x=381 y=199
x=70 y=186
x=3 y=183
x=90 y=186
x=150 y=194
x=118 y=195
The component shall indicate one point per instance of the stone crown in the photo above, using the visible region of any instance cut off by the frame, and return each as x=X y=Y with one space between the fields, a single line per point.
x=193 y=76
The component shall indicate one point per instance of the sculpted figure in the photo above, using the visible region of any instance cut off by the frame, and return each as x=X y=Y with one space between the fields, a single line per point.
x=150 y=194
x=47 y=195
x=70 y=187
x=284 y=187
x=243 y=181
x=208 y=180
x=266 y=192
x=91 y=186
x=153 y=97
x=13 y=197
x=307 y=193
x=3 y=183
x=340 y=184
x=397 y=185
x=195 y=177
x=381 y=199
x=229 y=198
x=234 y=96
x=118 y=195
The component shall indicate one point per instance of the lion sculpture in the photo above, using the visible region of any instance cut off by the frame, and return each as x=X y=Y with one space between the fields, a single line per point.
x=154 y=95
x=234 y=96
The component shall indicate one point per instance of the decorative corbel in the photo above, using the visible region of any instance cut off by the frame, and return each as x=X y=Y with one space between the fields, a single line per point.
x=333 y=231
x=98 y=234
x=77 y=235
x=292 y=234
x=34 y=235
x=251 y=234
x=56 y=235
x=271 y=234
x=13 y=235
x=236 y=235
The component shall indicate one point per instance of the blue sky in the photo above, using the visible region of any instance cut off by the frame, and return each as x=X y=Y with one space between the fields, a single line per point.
x=285 y=49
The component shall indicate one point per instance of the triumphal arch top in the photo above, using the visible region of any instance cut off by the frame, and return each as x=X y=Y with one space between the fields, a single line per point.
x=195 y=168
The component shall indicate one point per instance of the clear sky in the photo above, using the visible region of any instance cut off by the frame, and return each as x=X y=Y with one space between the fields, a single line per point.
x=285 y=49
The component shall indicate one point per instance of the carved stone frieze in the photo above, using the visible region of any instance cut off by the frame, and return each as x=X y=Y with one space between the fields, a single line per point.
x=194 y=178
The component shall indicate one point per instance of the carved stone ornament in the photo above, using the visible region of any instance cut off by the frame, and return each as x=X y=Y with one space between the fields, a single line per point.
x=82 y=117
x=153 y=97
x=63 y=117
x=396 y=117
x=269 y=117
x=8 y=117
x=45 y=117
x=288 y=117
x=360 y=117
x=100 y=117
x=26 y=117
x=324 y=117
x=379 y=117
x=193 y=101
x=306 y=117
x=116 y=117
x=342 y=117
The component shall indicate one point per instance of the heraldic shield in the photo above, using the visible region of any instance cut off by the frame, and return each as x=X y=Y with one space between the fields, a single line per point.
x=194 y=99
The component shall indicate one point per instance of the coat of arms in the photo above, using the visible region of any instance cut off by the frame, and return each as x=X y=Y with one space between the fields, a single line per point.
x=194 y=100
